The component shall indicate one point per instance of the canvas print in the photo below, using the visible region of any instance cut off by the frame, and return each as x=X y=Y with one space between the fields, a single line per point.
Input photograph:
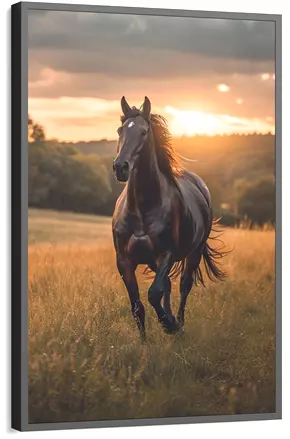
x=151 y=216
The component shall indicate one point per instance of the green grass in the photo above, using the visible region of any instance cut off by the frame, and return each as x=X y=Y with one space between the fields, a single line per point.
x=85 y=358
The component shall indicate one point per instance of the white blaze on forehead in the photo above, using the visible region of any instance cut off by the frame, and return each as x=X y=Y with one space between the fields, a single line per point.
x=131 y=124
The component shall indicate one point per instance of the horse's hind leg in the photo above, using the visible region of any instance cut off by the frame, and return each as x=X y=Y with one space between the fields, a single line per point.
x=127 y=272
x=186 y=283
x=159 y=288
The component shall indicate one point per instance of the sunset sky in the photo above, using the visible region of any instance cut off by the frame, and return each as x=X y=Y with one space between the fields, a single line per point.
x=204 y=75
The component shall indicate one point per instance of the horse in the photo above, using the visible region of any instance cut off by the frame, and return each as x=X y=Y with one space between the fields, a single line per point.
x=163 y=217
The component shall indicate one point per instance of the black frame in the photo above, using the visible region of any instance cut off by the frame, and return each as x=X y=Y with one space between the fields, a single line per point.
x=19 y=98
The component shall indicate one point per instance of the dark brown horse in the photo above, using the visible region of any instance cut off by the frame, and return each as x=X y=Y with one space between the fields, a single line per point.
x=162 y=218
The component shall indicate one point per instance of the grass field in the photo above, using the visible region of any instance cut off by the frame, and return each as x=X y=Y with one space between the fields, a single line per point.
x=85 y=358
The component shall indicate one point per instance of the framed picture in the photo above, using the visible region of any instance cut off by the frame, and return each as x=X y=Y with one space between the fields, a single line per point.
x=146 y=208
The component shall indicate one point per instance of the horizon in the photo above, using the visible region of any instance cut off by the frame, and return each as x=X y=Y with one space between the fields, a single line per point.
x=182 y=137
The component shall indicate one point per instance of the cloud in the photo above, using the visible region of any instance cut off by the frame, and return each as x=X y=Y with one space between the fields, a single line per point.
x=195 y=93
x=177 y=62
x=210 y=37
x=142 y=62
x=132 y=48
x=66 y=115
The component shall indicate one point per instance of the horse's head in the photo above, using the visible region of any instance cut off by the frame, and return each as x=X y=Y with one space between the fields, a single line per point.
x=133 y=135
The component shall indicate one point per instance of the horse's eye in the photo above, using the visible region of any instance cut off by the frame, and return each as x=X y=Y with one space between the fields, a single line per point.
x=144 y=132
x=119 y=130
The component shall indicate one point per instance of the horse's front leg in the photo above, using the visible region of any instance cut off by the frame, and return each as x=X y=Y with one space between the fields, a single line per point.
x=127 y=271
x=159 y=288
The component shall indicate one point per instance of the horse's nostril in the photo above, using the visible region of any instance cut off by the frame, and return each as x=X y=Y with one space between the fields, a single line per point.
x=121 y=170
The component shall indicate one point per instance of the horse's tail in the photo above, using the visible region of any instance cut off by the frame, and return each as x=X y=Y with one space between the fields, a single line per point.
x=211 y=258
x=177 y=269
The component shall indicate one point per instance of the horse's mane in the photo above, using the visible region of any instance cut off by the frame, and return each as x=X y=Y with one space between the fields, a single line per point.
x=167 y=158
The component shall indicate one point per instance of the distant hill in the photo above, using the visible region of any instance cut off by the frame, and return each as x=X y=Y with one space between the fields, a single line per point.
x=222 y=161
x=233 y=156
x=101 y=148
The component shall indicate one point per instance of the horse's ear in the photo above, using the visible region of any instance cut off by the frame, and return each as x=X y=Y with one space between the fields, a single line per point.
x=146 y=107
x=125 y=106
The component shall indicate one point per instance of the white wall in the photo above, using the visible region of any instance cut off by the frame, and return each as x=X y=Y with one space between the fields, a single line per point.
x=265 y=429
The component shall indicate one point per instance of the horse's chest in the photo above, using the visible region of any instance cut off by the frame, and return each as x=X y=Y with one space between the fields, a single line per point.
x=137 y=234
x=152 y=224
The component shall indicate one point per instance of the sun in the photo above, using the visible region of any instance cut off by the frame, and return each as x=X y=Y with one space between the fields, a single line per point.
x=193 y=122
x=186 y=122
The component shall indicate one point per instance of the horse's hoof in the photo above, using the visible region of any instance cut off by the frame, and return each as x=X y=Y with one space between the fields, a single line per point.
x=170 y=327
x=180 y=323
x=180 y=334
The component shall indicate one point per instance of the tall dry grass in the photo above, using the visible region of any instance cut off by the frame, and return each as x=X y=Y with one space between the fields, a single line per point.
x=85 y=358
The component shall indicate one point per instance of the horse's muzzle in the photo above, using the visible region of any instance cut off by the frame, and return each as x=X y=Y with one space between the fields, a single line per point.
x=121 y=170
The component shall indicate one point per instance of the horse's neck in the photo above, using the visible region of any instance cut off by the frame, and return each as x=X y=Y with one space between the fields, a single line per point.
x=144 y=187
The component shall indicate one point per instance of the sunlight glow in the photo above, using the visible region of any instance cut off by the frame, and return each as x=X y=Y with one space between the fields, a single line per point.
x=239 y=101
x=84 y=107
x=265 y=76
x=88 y=119
x=223 y=88
x=197 y=122
x=193 y=122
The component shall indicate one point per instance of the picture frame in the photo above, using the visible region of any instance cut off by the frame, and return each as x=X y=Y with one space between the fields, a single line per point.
x=19 y=99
